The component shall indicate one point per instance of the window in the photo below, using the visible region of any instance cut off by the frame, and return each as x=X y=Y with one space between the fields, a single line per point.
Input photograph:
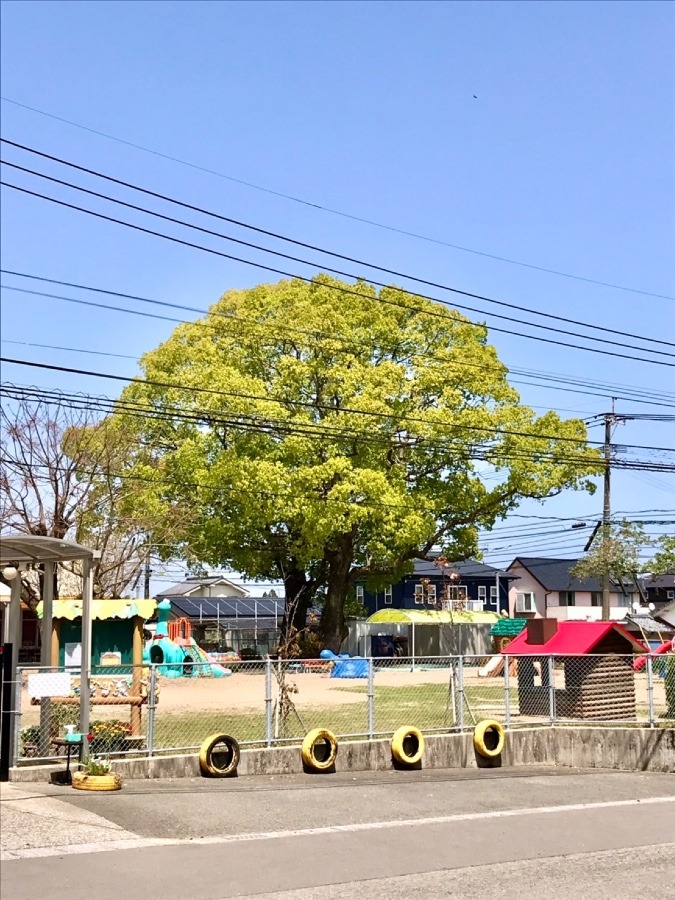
x=670 y=595
x=431 y=594
x=482 y=592
x=419 y=593
x=388 y=595
x=526 y=602
x=359 y=593
x=596 y=598
x=626 y=599
x=493 y=594
x=566 y=598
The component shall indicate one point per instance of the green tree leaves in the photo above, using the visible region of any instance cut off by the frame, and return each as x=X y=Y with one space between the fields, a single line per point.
x=323 y=436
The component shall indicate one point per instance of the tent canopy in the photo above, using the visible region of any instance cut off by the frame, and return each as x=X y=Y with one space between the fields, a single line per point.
x=431 y=617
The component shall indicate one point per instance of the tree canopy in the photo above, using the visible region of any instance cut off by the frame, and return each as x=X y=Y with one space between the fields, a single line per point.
x=328 y=432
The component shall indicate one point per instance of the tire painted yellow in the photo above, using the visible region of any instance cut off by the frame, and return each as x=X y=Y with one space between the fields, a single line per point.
x=319 y=750
x=407 y=745
x=489 y=738
x=84 y=782
x=209 y=763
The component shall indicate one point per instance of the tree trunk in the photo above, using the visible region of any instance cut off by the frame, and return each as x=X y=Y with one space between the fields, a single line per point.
x=333 y=629
x=299 y=590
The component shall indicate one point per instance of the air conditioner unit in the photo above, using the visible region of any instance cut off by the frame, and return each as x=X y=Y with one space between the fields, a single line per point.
x=526 y=603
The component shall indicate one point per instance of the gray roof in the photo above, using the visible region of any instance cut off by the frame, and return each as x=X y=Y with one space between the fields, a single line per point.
x=648 y=624
x=190 y=584
x=467 y=568
x=556 y=575
x=660 y=581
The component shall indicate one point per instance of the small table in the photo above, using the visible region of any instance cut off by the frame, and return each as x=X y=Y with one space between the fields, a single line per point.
x=66 y=777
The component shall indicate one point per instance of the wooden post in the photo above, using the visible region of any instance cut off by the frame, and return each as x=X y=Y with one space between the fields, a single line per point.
x=55 y=639
x=136 y=673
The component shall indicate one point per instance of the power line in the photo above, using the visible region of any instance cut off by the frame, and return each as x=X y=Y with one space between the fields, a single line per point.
x=378 y=299
x=309 y=405
x=335 y=212
x=318 y=431
x=297 y=243
x=549 y=328
x=641 y=393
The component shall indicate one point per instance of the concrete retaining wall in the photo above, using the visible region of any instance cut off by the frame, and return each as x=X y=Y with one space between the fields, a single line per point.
x=627 y=749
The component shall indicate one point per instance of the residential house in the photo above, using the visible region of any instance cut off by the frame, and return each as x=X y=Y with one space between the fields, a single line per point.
x=469 y=585
x=227 y=616
x=659 y=590
x=546 y=588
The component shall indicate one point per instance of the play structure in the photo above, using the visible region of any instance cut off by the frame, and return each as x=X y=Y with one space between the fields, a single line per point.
x=175 y=652
x=117 y=677
x=345 y=666
x=586 y=668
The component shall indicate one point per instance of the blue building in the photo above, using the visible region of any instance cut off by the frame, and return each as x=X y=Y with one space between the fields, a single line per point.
x=469 y=585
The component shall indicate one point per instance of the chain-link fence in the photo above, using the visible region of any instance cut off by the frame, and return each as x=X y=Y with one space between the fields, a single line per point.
x=171 y=709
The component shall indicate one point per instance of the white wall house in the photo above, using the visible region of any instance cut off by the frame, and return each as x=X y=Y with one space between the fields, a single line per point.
x=546 y=588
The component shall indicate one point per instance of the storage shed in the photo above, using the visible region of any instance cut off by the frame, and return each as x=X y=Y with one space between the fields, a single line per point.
x=592 y=665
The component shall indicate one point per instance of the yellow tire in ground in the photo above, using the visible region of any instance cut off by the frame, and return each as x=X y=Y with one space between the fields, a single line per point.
x=219 y=756
x=84 y=782
x=407 y=746
x=489 y=738
x=319 y=750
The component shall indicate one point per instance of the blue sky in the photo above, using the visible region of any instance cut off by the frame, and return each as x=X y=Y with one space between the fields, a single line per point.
x=538 y=132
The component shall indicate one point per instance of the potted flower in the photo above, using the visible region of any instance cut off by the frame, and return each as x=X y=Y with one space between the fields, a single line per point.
x=97 y=775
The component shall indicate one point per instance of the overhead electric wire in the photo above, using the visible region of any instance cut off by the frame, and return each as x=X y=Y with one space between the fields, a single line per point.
x=312 y=406
x=619 y=392
x=335 y=212
x=316 y=430
x=445 y=316
x=303 y=244
x=548 y=328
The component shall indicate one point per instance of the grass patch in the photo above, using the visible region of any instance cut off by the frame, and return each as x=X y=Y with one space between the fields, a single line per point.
x=426 y=706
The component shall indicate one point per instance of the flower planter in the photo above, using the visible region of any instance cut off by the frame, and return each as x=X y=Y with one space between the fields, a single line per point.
x=109 y=782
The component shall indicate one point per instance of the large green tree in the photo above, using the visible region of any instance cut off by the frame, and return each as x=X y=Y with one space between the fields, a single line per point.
x=330 y=433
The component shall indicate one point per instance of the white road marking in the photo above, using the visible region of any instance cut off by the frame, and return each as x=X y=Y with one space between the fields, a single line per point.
x=133 y=844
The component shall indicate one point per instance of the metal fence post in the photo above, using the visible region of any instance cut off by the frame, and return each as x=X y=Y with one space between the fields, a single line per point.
x=17 y=715
x=551 y=688
x=152 y=706
x=460 y=692
x=507 y=694
x=650 y=691
x=268 y=702
x=371 y=698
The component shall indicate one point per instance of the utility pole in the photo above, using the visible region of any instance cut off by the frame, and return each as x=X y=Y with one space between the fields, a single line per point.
x=146 y=577
x=607 y=510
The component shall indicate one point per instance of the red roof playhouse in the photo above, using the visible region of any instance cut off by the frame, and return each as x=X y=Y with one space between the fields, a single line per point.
x=590 y=675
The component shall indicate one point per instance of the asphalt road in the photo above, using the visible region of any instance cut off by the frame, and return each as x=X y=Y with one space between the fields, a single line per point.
x=420 y=835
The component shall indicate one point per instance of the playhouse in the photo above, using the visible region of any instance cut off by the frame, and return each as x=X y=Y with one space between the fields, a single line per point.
x=593 y=675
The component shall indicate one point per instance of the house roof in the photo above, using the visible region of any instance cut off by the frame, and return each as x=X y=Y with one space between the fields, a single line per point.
x=648 y=625
x=571 y=638
x=190 y=585
x=556 y=574
x=508 y=627
x=430 y=617
x=467 y=568
x=666 y=613
x=660 y=581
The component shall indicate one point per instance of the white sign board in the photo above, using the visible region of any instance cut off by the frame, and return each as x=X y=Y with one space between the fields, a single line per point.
x=73 y=654
x=49 y=684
